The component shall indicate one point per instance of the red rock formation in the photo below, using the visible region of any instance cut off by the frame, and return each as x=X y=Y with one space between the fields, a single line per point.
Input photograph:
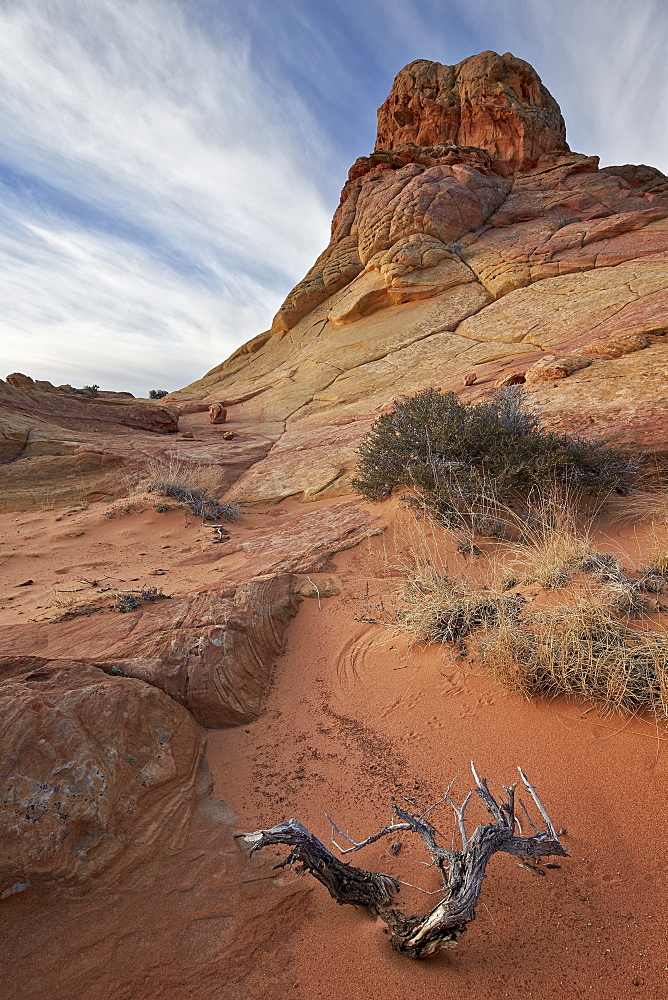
x=492 y=102
x=472 y=241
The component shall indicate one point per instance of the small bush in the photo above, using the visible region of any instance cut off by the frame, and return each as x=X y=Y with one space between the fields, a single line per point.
x=193 y=485
x=461 y=457
x=157 y=393
x=125 y=602
x=91 y=390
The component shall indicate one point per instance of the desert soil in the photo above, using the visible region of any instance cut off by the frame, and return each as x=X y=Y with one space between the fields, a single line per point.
x=355 y=720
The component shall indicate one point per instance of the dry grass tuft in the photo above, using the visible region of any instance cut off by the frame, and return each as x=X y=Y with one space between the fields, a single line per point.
x=552 y=548
x=178 y=473
x=197 y=486
x=658 y=563
x=583 y=650
x=437 y=609
x=646 y=505
x=583 y=647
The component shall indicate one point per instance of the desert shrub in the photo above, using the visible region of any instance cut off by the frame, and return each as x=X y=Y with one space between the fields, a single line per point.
x=460 y=457
x=126 y=602
x=208 y=508
x=193 y=485
x=582 y=650
x=157 y=393
x=658 y=565
x=91 y=390
x=129 y=600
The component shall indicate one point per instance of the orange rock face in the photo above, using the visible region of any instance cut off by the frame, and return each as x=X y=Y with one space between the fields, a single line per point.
x=492 y=102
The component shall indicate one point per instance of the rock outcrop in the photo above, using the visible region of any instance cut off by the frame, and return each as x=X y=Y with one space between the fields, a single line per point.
x=94 y=767
x=490 y=102
x=471 y=242
x=79 y=411
x=212 y=650
x=60 y=447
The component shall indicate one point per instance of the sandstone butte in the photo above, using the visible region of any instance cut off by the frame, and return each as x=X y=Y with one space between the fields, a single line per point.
x=472 y=249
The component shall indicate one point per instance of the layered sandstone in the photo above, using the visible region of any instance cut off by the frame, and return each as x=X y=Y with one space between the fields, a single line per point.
x=94 y=767
x=212 y=651
x=471 y=246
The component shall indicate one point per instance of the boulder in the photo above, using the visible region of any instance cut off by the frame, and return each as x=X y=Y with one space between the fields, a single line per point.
x=94 y=768
x=217 y=413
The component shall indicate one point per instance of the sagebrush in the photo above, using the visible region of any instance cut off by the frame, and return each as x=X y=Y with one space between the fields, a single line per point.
x=462 y=457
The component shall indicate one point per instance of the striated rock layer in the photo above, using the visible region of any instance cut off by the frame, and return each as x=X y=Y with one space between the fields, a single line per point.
x=93 y=767
x=471 y=248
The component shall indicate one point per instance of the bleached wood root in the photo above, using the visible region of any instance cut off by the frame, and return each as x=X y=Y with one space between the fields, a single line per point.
x=462 y=871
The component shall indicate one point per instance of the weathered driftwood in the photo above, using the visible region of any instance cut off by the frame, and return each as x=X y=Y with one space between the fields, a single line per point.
x=462 y=871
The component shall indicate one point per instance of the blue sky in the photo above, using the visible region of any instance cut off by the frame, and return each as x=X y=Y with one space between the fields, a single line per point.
x=169 y=168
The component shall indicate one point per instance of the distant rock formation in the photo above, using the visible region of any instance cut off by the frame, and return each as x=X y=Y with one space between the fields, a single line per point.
x=472 y=241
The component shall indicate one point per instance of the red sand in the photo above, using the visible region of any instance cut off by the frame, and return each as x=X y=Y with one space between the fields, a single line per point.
x=354 y=719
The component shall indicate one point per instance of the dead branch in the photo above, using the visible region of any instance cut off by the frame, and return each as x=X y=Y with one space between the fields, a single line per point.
x=462 y=872
x=345 y=883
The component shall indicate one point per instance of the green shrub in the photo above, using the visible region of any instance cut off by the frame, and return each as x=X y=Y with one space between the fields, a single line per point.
x=461 y=457
x=157 y=393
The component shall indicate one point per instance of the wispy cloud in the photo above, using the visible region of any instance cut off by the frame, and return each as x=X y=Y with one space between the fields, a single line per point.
x=604 y=62
x=151 y=171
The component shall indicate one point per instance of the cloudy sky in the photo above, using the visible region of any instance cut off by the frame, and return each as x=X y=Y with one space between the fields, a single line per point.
x=169 y=168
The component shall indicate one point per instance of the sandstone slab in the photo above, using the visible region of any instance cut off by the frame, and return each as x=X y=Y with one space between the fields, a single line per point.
x=303 y=542
x=212 y=651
